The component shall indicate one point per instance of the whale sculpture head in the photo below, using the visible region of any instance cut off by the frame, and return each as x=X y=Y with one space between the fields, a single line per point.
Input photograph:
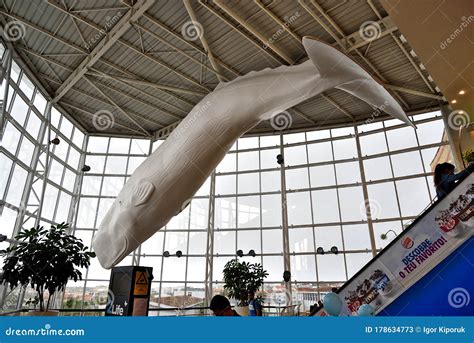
x=122 y=221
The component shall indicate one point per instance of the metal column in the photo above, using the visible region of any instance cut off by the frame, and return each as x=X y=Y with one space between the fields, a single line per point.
x=366 y=194
x=284 y=219
x=210 y=241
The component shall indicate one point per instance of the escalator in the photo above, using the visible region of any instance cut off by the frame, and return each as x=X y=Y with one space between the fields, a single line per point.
x=427 y=270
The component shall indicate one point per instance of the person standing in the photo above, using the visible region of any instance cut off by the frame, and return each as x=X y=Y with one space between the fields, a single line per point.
x=255 y=309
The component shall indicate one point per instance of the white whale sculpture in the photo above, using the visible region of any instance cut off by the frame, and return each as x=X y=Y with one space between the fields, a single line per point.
x=163 y=183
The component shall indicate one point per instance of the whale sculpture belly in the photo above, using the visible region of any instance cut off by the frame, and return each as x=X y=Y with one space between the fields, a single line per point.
x=163 y=184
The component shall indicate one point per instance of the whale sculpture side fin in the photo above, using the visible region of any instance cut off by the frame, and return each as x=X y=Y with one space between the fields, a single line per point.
x=142 y=192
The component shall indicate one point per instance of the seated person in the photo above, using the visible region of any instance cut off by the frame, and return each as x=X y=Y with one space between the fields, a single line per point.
x=220 y=305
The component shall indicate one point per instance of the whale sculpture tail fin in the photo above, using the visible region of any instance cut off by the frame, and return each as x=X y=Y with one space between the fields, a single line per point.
x=350 y=77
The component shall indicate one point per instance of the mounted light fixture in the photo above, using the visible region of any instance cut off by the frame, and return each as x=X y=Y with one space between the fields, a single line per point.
x=252 y=253
x=85 y=168
x=462 y=92
x=384 y=236
x=240 y=253
x=179 y=253
x=286 y=276
x=55 y=141
x=280 y=159
x=166 y=253
x=334 y=250
x=320 y=251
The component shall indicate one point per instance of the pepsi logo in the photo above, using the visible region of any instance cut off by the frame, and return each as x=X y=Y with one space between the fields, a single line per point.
x=407 y=242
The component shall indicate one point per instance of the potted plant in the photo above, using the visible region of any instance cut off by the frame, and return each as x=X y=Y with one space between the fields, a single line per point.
x=468 y=156
x=239 y=279
x=45 y=260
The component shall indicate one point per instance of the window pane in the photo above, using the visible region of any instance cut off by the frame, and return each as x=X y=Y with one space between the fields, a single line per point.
x=356 y=237
x=34 y=124
x=249 y=211
x=116 y=165
x=96 y=163
x=249 y=183
x=11 y=138
x=97 y=144
x=27 y=86
x=25 y=154
x=320 y=152
x=408 y=163
x=271 y=210
x=431 y=132
x=19 y=110
x=301 y=240
x=269 y=158
x=225 y=213
x=271 y=181
x=348 y=173
x=377 y=169
x=297 y=178
x=299 y=208
x=225 y=184
x=295 y=155
x=272 y=241
x=303 y=268
x=322 y=176
x=344 y=148
x=140 y=146
x=373 y=144
x=119 y=145
x=228 y=164
x=328 y=236
x=413 y=195
x=224 y=242
x=383 y=200
x=248 y=160
x=401 y=138
x=331 y=267
x=350 y=200
x=17 y=185
x=325 y=206
x=249 y=240
x=112 y=185
x=356 y=261
x=40 y=102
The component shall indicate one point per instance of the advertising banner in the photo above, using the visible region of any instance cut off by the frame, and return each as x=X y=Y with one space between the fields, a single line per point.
x=426 y=242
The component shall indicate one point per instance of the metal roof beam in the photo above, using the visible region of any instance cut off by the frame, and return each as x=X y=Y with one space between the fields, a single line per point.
x=203 y=40
x=414 y=92
x=234 y=15
x=104 y=45
x=189 y=43
x=116 y=105
x=214 y=69
x=80 y=108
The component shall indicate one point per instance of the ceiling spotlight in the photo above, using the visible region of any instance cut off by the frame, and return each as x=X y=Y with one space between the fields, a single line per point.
x=166 y=253
x=55 y=141
x=280 y=159
x=454 y=101
x=462 y=92
x=252 y=253
x=334 y=250
x=86 y=168
x=320 y=251
x=240 y=253
x=179 y=253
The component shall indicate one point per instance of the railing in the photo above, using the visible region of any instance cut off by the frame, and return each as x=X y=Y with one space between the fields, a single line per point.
x=290 y=310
